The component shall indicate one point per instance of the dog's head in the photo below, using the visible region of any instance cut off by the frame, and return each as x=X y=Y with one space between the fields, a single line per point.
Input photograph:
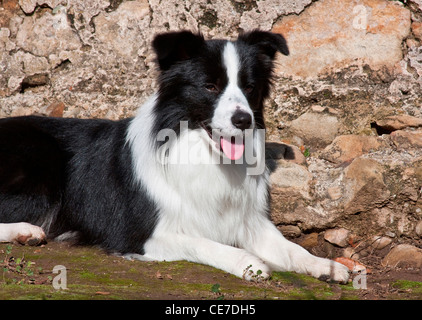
x=215 y=85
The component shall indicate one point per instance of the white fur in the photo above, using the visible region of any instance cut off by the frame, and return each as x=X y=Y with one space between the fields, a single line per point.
x=214 y=214
x=232 y=99
x=209 y=212
x=10 y=232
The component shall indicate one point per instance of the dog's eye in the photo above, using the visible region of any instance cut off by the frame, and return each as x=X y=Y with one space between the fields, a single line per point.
x=212 y=88
x=249 y=88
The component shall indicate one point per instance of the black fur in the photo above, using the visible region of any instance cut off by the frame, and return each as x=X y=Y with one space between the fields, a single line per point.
x=188 y=64
x=77 y=175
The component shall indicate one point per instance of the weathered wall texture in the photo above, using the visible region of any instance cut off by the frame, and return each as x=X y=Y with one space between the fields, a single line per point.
x=348 y=99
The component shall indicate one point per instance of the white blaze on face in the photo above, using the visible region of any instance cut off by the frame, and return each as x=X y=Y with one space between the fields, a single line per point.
x=231 y=100
x=232 y=63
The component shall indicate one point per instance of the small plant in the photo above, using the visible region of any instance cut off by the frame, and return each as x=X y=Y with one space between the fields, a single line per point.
x=19 y=266
x=8 y=249
x=257 y=276
x=216 y=290
x=305 y=151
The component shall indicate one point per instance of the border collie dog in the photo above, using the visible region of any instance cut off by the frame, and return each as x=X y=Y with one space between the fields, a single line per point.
x=172 y=183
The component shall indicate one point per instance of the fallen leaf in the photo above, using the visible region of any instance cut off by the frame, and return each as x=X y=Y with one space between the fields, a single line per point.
x=353 y=265
x=158 y=275
x=103 y=293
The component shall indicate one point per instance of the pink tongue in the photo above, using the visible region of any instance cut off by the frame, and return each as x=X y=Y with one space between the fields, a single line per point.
x=232 y=150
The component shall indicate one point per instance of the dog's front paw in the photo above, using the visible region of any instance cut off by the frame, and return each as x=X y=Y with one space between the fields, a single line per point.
x=331 y=271
x=25 y=233
x=340 y=273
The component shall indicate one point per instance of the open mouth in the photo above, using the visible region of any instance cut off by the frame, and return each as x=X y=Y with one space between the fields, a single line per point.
x=232 y=147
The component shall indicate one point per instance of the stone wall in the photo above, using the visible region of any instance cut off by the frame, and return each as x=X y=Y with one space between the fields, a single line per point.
x=346 y=103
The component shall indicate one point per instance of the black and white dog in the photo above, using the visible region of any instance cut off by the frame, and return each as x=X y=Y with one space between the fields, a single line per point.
x=173 y=183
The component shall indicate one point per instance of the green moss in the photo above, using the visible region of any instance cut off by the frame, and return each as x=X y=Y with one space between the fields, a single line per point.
x=414 y=286
x=91 y=274
x=99 y=278
x=40 y=292
x=299 y=279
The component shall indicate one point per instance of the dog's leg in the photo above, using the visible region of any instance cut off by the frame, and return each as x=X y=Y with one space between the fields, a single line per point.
x=182 y=247
x=22 y=232
x=283 y=255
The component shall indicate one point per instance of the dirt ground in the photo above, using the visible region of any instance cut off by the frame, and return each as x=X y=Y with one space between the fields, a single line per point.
x=60 y=271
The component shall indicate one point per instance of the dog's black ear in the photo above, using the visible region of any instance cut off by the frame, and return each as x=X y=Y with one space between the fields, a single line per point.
x=268 y=42
x=173 y=47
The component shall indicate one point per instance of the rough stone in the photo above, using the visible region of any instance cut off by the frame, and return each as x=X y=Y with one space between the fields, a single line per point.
x=28 y=6
x=365 y=185
x=335 y=193
x=348 y=147
x=290 y=175
x=8 y=9
x=290 y=231
x=399 y=122
x=14 y=82
x=31 y=64
x=418 y=229
x=55 y=109
x=327 y=35
x=417 y=29
x=290 y=206
x=417 y=3
x=403 y=255
x=350 y=252
x=379 y=242
x=120 y=27
x=407 y=139
x=310 y=241
x=414 y=57
x=268 y=11
x=5 y=43
x=315 y=128
x=47 y=34
x=338 y=237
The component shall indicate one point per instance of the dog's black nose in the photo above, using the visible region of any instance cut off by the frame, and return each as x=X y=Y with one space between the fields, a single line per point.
x=241 y=120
